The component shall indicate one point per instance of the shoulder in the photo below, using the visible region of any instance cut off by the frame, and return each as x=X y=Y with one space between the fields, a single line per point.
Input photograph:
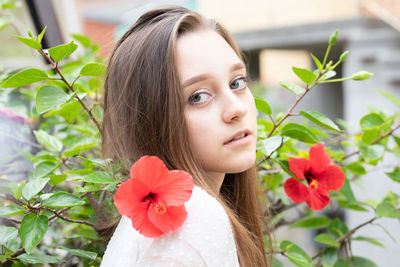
x=205 y=238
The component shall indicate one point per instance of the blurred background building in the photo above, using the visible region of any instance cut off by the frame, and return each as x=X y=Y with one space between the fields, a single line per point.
x=274 y=36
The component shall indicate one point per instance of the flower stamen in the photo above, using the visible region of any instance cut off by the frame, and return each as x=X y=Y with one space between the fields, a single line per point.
x=160 y=208
x=314 y=184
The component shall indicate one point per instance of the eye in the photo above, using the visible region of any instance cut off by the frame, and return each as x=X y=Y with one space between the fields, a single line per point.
x=199 y=97
x=239 y=83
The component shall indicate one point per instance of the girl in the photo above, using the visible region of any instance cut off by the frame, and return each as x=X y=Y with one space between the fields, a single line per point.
x=176 y=89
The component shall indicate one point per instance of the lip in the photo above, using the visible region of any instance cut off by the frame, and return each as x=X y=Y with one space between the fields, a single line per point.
x=240 y=141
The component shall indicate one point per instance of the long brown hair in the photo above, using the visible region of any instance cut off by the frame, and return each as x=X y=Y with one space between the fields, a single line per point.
x=143 y=115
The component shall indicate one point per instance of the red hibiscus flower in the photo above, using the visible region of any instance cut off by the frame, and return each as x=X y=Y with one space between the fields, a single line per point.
x=321 y=175
x=153 y=197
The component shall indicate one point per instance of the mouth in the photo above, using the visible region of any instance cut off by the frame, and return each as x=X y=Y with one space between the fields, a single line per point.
x=238 y=137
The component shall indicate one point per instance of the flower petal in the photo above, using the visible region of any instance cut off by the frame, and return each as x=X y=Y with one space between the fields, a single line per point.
x=141 y=221
x=130 y=193
x=171 y=220
x=318 y=199
x=149 y=170
x=319 y=158
x=297 y=191
x=176 y=188
x=332 y=178
x=299 y=166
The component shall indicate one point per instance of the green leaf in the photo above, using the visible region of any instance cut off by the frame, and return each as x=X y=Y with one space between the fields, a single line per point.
x=34 y=187
x=347 y=191
x=84 y=40
x=44 y=168
x=81 y=253
x=320 y=119
x=299 y=132
x=371 y=120
x=7 y=233
x=29 y=42
x=328 y=75
x=385 y=209
x=317 y=62
x=295 y=254
x=40 y=36
x=56 y=179
x=62 y=200
x=33 y=228
x=50 y=97
x=293 y=88
x=329 y=257
x=371 y=153
x=355 y=261
x=93 y=69
x=271 y=144
x=25 y=77
x=262 y=105
x=99 y=178
x=305 y=75
x=62 y=51
x=48 y=141
x=18 y=191
x=390 y=97
x=356 y=168
x=327 y=240
x=35 y=258
x=311 y=222
x=361 y=75
x=369 y=240
x=337 y=227
x=394 y=175
x=11 y=210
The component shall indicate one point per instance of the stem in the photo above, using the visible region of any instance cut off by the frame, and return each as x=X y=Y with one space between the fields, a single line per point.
x=374 y=142
x=58 y=215
x=345 y=236
x=336 y=80
x=326 y=56
x=97 y=208
x=70 y=87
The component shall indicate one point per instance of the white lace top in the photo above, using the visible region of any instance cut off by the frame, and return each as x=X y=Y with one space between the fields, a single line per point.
x=204 y=239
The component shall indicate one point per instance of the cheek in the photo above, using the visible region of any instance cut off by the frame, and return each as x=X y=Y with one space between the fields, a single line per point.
x=198 y=125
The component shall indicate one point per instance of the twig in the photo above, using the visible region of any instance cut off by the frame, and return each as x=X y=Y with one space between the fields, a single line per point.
x=97 y=208
x=70 y=87
x=345 y=236
x=67 y=219
x=374 y=142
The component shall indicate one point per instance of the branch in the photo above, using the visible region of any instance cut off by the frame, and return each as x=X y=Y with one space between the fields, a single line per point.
x=58 y=215
x=345 y=236
x=70 y=87
x=374 y=142
x=97 y=208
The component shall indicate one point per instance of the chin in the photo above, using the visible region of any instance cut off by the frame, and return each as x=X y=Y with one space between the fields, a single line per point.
x=241 y=164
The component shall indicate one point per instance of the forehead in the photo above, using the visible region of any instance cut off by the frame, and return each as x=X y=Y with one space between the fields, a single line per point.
x=204 y=52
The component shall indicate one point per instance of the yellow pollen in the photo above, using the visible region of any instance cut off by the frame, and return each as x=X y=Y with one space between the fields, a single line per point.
x=160 y=208
x=314 y=184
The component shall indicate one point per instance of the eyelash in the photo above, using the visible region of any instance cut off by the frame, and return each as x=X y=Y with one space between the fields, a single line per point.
x=241 y=78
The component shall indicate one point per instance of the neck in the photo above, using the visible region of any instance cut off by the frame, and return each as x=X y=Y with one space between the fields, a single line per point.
x=215 y=180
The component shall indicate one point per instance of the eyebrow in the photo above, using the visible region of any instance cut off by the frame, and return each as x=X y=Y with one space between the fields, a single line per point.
x=204 y=76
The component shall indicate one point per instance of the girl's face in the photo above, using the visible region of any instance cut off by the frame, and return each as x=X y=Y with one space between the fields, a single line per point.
x=219 y=108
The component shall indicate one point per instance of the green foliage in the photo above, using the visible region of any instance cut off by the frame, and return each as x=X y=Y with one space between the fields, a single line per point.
x=70 y=180
x=33 y=228
x=293 y=88
x=62 y=51
x=299 y=132
x=25 y=77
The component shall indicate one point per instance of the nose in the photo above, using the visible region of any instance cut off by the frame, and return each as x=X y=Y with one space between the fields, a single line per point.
x=234 y=107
